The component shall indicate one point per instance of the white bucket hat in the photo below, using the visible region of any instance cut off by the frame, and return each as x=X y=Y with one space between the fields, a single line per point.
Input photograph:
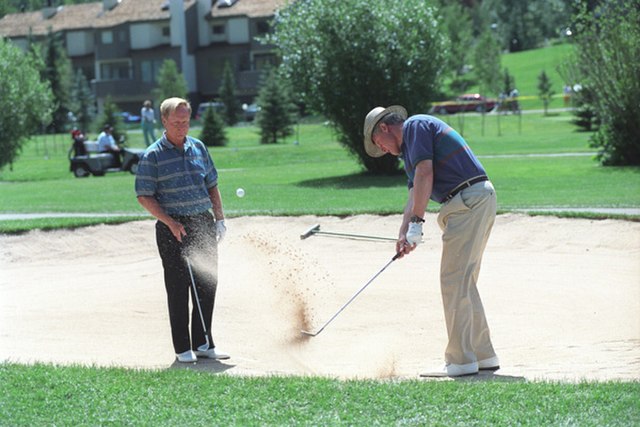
x=372 y=120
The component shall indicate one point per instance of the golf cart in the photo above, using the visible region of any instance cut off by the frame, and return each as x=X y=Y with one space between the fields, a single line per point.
x=84 y=160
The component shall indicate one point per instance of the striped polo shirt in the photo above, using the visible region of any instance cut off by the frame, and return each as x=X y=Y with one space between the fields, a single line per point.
x=179 y=179
x=429 y=138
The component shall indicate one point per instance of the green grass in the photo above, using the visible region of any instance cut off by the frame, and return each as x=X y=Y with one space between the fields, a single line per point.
x=526 y=66
x=318 y=176
x=47 y=395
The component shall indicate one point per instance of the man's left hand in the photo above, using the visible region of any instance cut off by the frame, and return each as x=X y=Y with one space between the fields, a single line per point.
x=414 y=233
x=221 y=230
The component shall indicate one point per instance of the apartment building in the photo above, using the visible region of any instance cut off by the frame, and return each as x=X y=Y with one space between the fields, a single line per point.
x=121 y=44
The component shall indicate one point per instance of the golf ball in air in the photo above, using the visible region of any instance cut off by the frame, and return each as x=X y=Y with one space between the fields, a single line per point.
x=240 y=192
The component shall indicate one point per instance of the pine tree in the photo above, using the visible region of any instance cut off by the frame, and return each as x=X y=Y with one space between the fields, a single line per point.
x=277 y=113
x=170 y=82
x=544 y=90
x=83 y=102
x=59 y=73
x=228 y=96
x=213 y=134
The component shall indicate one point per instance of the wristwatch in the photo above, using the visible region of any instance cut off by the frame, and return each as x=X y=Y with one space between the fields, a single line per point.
x=416 y=218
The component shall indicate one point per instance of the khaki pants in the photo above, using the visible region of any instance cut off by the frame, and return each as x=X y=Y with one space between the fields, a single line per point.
x=466 y=222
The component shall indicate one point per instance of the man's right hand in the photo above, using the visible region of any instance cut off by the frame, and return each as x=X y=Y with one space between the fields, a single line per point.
x=177 y=230
x=403 y=247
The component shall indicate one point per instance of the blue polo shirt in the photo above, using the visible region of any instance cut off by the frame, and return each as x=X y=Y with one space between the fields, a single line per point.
x=429 y=138
x=178 y=179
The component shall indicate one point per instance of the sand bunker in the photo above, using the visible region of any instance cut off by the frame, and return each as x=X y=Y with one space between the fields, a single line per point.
x=562 y=297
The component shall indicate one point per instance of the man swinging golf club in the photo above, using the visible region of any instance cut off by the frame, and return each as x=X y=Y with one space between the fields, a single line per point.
x=441 y=167
x=177 y=183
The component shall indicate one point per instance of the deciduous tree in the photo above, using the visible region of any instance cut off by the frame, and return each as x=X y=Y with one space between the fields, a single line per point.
x=606 y=65
x=345 y=58
x=25 y=100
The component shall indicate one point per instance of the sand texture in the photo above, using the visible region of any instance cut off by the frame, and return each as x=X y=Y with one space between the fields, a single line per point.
x=562 y=297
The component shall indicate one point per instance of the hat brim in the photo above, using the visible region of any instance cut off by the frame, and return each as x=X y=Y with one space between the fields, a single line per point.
x=372 y=120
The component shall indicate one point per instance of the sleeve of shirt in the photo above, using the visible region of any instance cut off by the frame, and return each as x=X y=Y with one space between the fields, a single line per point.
x=147 y=175
x=420 y=141
x=211 y=173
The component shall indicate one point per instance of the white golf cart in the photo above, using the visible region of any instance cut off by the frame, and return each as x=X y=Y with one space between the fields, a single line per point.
x=91 y=162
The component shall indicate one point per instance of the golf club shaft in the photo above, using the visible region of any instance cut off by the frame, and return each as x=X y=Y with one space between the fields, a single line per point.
x=197 y=298
x=357 y=236
x=353 y=297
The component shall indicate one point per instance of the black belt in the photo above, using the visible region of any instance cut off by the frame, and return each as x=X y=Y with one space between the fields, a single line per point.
x=464 y=185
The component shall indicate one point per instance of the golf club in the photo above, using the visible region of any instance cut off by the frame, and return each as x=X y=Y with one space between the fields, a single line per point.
x=316 y=230
x=314 y=334
x=195 y=292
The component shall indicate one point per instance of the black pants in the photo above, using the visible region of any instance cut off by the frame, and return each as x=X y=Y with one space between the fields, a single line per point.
x=201 y=248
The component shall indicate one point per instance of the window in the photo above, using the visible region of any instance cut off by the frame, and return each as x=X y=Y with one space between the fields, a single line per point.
x=166 y=31
x=120 y=70
x=149 y=70
x=106 y=37
x=219 y=32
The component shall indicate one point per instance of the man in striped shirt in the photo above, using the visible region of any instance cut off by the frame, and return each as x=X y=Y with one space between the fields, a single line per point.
x=177 y=183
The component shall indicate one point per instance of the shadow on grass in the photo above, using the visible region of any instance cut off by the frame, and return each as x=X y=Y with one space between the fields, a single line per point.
x=490 y=376
x=358 y=180
x=481 y=376
x=203 y=365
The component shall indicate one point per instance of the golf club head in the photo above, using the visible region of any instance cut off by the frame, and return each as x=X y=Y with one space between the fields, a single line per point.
x=310 y=334
x=310 y=231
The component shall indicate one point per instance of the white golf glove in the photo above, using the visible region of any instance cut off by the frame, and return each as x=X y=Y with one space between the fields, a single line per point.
x=221 y=230
x=414 y=233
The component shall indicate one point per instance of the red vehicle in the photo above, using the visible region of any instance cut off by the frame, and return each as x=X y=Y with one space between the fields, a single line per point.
x=467 y=102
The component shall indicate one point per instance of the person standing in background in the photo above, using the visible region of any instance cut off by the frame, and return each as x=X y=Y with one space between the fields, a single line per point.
x=148 y=121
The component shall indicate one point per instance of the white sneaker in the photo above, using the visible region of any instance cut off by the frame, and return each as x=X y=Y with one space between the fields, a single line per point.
x=490 y=364
x=212 y=353
x=454 y=370
x=187 y=357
